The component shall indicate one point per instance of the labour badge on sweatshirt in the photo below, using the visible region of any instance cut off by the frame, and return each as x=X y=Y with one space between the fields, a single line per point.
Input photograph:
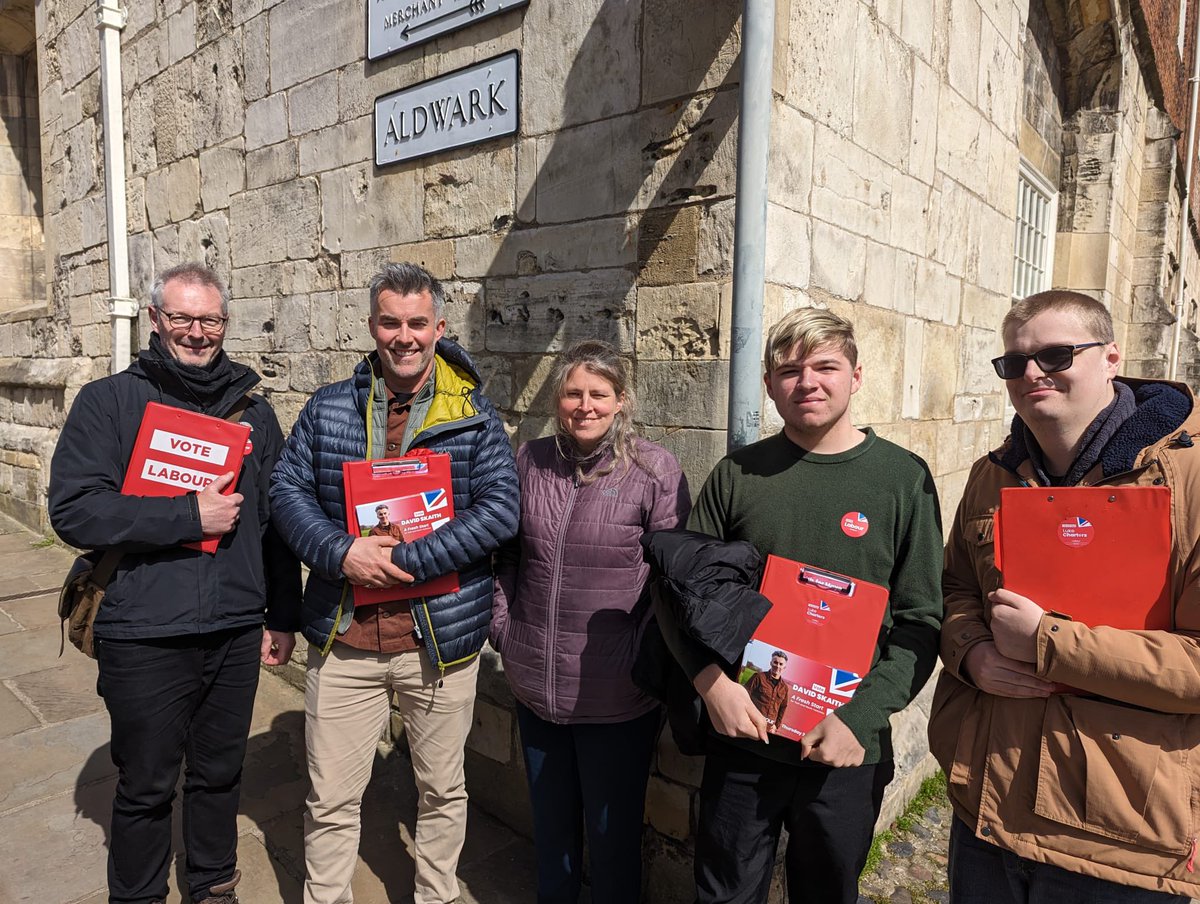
x=854 y=525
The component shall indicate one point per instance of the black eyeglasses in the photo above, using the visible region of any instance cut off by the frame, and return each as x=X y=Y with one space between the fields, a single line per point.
x=210 y=323
x=1051 y=360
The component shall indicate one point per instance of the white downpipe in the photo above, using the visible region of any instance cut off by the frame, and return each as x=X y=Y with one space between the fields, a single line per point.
x=122 y=310
x=1185 y=206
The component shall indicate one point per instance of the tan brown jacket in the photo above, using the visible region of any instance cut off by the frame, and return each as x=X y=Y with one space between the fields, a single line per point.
x=1106 y=787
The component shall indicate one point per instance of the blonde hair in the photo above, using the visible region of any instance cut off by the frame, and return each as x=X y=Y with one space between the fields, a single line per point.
x=601 y=359
x=1096 y=319
x=809 y=329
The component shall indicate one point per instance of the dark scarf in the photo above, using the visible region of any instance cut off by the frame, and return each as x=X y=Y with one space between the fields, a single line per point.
x=1092 y=443
x=206 y=386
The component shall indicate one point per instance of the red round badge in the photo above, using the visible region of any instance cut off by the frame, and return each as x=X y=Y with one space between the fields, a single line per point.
x=854 y=524
x=249 y=447
x=1076 y=532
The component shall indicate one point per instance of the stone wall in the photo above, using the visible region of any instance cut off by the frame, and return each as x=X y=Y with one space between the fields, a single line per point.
x=897 y=130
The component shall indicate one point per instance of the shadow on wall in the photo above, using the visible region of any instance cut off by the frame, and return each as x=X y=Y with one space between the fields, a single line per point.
x=640 y=148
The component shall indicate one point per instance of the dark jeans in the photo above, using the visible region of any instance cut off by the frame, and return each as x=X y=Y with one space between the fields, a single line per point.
x=830 y=816
x=981 y=873
x=171 y=699
x=593 y=777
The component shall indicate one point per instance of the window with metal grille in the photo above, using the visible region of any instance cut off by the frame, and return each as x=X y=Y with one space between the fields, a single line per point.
x=1033 y=251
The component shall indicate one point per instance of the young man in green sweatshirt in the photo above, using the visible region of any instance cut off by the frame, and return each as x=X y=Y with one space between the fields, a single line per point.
x=834 y=496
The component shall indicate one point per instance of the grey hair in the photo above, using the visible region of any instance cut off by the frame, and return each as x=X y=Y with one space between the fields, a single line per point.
x=599 y=358
x=408 y=279
x=191 y=273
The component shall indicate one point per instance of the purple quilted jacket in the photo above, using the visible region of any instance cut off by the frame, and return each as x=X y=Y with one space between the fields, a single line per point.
x=568 y=612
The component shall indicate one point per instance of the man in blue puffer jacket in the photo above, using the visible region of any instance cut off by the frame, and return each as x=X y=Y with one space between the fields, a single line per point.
x=416 y=390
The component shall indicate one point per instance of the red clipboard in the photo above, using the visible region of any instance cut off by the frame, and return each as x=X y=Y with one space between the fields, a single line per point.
x=417 y=494
x=1099 y=555
x=827 y=626
x=179 y=451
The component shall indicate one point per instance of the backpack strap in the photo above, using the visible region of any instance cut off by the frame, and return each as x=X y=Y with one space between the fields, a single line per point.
x=238 y=409
x=104 y=569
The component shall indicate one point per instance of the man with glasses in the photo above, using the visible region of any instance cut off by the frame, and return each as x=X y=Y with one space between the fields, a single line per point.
x=179 y=636
x=1071 y=752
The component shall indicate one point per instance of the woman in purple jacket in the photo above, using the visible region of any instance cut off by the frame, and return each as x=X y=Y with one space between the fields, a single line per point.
x=567 y=619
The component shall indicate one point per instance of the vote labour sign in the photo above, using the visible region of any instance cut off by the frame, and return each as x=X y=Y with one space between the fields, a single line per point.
x=179 y=451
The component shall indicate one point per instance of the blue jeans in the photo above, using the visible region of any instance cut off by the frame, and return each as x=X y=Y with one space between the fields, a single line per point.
x=589 y=777
x=981 y=873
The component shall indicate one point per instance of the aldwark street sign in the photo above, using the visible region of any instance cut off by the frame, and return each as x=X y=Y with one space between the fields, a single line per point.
x=393 y=25
x=464 y=107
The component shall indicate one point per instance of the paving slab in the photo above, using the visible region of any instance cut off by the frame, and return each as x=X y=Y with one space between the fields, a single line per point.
x=15 y=716
x=9 y=625
x=51 y=761
x=32 y=651
x=265 y=880
x=55 y=851
x=39 y=611
x=17 y=586
x=63 y=692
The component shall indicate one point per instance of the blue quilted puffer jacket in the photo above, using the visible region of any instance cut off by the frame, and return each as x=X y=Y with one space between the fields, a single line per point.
x=307 y=504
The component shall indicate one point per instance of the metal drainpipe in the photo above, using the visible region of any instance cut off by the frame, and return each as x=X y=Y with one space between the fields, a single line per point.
x=750 y=223
x=122 y=309
x=1185 y=205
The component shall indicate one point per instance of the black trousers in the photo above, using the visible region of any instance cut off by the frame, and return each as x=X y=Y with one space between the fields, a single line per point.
x=170 y=700
x=981 y=873
x=830 y=816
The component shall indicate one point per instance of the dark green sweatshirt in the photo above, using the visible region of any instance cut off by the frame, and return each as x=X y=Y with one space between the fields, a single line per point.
x=792 y=503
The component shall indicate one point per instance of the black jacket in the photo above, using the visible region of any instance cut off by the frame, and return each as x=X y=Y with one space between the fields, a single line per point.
x=162 y=588
x=709 y=587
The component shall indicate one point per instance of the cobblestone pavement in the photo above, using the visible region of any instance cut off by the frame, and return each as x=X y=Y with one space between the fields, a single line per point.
x=913 y=869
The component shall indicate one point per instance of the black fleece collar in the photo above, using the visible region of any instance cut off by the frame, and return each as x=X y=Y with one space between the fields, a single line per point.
x=212 y=389
x=1161 y=410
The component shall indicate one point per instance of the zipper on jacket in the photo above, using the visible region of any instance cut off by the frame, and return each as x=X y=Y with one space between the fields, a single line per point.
x=555 y=587
x=337 y=618
x=437 y=653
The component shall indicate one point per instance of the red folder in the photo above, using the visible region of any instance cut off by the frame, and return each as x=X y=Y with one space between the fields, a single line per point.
x=179 y=451
x=827 y=626
x=416 y=490
x=1100 y=555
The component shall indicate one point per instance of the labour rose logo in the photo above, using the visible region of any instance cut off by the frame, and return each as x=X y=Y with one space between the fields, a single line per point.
x=854 y=524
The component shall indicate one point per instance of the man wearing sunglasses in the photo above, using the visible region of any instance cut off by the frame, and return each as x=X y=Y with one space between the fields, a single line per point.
x=1092 y=795
x=180 y=635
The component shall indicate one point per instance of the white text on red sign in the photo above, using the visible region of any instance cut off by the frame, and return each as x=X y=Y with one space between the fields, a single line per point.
x=175 y=476
x=188 y=447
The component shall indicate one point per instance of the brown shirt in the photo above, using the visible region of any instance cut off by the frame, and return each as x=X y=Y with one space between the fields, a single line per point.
x=392 y=530
x=386 y=627
x=769 y=694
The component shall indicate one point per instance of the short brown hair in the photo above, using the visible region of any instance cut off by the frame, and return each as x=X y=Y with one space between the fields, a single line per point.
x=809 y=328
x=1092 y=314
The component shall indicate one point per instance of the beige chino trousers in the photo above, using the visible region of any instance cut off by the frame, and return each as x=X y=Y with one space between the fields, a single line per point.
x=346 y=709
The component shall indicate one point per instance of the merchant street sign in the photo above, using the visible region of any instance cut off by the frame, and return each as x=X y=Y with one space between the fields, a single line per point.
x=467 y=106
x=394 y=25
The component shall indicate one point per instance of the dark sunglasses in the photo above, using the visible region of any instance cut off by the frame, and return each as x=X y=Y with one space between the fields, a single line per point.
x=1051 y=360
